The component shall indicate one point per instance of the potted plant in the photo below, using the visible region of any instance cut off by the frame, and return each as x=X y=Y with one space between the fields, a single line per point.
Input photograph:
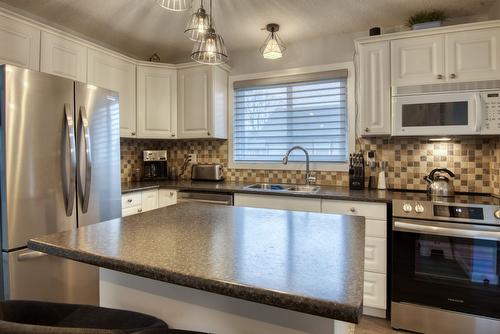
x=426 y=19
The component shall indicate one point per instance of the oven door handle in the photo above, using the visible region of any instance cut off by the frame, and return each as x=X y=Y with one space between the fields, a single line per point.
x=446 y=231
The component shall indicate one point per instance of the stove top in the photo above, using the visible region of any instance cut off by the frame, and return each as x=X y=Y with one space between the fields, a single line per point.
x=463 y=198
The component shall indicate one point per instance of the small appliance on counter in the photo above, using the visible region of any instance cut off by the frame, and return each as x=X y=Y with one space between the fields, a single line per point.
x=438 y=184
x=155 y=165
x=357 y=171
x=208 y=172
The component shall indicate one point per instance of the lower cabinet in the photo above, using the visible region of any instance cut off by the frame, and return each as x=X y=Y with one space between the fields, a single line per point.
x=147 y=200
x=375 y=276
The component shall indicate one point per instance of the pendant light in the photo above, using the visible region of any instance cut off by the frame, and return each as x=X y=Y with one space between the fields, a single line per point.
x=197 y=25
x=210 y=49
x=175 y=5
x=273 y=46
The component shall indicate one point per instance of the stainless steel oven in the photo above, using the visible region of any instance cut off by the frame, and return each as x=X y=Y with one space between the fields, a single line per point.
x=446 y=267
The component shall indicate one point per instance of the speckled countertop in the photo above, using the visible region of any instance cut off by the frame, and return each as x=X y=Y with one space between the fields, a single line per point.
x=327 y=192
x=306 y=262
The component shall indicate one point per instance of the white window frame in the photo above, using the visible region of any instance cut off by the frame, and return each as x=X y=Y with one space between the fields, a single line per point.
x=316 y=166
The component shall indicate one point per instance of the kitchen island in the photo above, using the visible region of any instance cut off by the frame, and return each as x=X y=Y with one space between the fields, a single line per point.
x=226 y=269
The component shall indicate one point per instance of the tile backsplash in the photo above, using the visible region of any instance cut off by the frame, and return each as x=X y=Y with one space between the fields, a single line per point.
x=475 y=161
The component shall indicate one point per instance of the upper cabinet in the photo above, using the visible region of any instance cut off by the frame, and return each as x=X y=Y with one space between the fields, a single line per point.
x=108 y=71
x=374 y=88
x=19 y=44
x=156 y=102
x=63 y=57
x=473 y=55
x=202 y=102
x=417 y=60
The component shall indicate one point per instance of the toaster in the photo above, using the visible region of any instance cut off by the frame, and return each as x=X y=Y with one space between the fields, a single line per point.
x=213 y=172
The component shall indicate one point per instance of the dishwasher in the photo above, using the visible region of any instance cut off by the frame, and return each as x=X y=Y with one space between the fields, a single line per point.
x=205 y=197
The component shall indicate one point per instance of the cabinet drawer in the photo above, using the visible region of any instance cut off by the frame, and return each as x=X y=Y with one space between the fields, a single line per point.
x=374 y=290
x=375 y=228
x=278 y=202
x=131 y=199
x=375 y=254
x=131 y=211
x=369 y=210
x=167 y=197
x=149 y=200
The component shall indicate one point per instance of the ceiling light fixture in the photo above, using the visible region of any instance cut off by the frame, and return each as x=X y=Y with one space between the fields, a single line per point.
x=210 y=49
x=273 y=46
x=175 y=5
x=198 y=24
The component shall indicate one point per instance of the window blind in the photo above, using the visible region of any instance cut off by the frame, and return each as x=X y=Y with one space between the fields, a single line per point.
x=269 y=119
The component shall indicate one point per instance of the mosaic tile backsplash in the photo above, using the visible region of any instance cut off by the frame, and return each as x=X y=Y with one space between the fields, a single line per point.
x=475 y=161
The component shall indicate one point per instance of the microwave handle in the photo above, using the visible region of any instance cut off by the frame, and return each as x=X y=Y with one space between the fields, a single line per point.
x=479 y=113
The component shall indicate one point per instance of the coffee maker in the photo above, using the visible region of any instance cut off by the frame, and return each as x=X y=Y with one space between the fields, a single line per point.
x=155 y=165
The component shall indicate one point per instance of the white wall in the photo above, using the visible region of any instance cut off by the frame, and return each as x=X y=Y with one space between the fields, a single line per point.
x=315 y=51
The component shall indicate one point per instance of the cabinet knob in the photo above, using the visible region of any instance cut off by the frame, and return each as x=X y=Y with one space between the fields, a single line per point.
x=208 y=133
x=352 y=210
x=129 y=200
x=132 y=133
x=172 y=135
x=440 y=76
x=367 y=129
x=453 y=75
x=139 y=210
x=171 y=193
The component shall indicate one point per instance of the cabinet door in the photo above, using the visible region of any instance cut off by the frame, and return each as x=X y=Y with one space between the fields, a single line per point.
x=418 y=60
x=149 y=200
x=63 y=57
x=473 y=55
x=167 y=197
x=374 y=291
x=19 y=44
x=107 y=71
x=156 y=102
x=375 y=88
x=278 y=202
x=194 y=102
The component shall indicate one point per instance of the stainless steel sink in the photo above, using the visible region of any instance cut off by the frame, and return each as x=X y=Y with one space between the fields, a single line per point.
x=283 y=188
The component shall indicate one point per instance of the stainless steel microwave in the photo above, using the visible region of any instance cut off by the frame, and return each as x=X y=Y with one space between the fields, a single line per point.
x=446 y=114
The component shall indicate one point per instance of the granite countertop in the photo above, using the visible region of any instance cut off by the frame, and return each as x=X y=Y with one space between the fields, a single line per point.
x=306 y=262
x=326 y=192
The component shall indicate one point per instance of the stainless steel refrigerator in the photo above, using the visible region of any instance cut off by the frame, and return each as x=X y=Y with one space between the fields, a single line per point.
x=59 y=170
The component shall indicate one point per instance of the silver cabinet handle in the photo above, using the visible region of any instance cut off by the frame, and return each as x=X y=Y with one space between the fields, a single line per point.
x=139 y=210
x=30 y=256
x=440 y=76
x=70 y=184
x=453 y=75
x=367 y=130
x=132 y=133
x=208 y=133
x=446 y=231
x=85 y=189
x=172 y=135
x=129 y=200
x=352 y=210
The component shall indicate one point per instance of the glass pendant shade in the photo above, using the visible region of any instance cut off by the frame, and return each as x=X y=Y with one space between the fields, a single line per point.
x=273 y=46
x=175 y=5
x=210 y=49
x=197 y=25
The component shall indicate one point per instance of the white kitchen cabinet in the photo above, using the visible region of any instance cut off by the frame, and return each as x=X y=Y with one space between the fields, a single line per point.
x=473 y=55
x=167 y=197
x=131 y=203
x=418 y=60
x=376 y=255
x=278 y=202
x=64 y=57
x=19 y=44
x=202 y=102
x=375 y=88
x=111 y=72
x=149 y=200
x=374 y=293
x=156 y=102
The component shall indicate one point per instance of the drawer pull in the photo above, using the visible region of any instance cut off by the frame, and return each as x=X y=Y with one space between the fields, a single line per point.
x=139 y=210
x=171 y=193
x=129 y=200
x=353 y=210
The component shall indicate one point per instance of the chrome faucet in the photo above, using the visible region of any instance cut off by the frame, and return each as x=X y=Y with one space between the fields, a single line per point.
x=310 y=179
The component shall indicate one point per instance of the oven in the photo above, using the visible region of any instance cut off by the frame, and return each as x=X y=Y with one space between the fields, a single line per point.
x=447 y=267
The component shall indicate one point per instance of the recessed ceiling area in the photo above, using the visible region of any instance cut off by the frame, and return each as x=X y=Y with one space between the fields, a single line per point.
x=140 y=27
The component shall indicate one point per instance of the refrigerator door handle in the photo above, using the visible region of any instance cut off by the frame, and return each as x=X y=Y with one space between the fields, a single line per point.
x=69 y=185
x=84 y=129
x=30 y=256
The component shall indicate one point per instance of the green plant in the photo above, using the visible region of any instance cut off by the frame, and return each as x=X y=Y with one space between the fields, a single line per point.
x=426 y=16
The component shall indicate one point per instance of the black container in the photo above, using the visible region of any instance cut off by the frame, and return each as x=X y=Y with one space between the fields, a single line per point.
x=375 y=31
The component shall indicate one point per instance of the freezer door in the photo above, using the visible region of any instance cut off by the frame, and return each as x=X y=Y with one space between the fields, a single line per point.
x=36 y=141
x=98 y=147
x=37 y=276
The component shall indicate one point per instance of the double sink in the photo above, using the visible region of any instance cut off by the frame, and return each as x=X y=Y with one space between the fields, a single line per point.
x=272 y=187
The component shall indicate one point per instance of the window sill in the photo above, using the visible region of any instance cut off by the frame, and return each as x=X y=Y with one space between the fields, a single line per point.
x=314 y=166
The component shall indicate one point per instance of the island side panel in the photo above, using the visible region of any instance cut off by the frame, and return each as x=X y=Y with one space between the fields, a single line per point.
x=197 y=310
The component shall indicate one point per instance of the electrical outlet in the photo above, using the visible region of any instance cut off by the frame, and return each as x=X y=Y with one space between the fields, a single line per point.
x=193 y=158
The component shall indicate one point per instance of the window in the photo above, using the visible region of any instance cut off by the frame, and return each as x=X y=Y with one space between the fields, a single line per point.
x=272 y=115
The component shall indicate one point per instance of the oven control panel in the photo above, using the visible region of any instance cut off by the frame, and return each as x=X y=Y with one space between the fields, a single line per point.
x=497 y=214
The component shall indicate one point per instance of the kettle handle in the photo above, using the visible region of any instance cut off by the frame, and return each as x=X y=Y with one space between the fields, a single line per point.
x=428 y=179
x=442 y=170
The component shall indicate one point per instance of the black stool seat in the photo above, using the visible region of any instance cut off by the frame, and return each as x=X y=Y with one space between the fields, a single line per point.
x=34 y=317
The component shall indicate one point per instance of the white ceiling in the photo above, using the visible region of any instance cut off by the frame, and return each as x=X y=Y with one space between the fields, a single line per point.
x=140 y=27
